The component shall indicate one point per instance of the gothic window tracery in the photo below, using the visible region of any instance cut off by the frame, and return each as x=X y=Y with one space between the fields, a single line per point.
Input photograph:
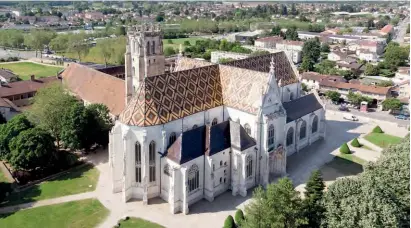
x=247 y=128
x=193 y=178
x=137 y=150
x=314 y=126
x=249 y=166
x=290 y=136
x=303 y=130
x=270 y=136
x=214 y=122
x=153 y=47
x=172 y=138
x=152 y=161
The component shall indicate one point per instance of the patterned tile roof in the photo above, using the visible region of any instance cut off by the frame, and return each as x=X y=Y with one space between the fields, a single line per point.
x=164 y=98
x=283 y=68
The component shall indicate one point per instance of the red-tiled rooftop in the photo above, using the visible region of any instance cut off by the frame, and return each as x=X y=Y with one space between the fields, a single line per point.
x=387 y=29
x=21 y=87
x=363 y=88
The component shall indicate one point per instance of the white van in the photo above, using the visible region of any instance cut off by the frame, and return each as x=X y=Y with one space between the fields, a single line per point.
x=350 y=117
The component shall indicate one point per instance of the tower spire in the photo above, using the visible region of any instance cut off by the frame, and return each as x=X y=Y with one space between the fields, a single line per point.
x=272 y=67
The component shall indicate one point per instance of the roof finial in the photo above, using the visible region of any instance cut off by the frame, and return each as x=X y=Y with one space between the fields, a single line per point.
x=272 y=64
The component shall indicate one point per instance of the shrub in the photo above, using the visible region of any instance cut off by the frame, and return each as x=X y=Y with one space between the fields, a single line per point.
x=187 y=43
x=170 y=41
x=345 y=149
x=229 y=222
x=239 y=217
x=355 y=143
x=377 y=129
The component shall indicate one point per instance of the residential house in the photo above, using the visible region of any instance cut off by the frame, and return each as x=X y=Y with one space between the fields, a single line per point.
x=303 y=35
x=350 y=64
x=336 y=55
x=268 y=42
x=313 y=79
x=21 y=91
x=367 y=55
x=94 y=15
x=293 y=49
x=376 y=46
x=386 y=30
x=7 y=76
x=402 y=74
x=8 y=109
x=377 y=93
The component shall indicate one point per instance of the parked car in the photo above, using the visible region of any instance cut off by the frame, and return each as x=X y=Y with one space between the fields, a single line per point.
x=350 y=117
x=401 y=117
x=344 y=108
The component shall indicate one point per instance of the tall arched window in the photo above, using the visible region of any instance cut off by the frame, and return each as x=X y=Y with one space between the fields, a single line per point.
x=214 y=122
x=303 y=129
x=137 y=150
x=291 y=96
x=195 y=126
x=167 y=170
x=153 y=47
x=249 y=166
x=247 y=128
x=290 y=136
x=172 y=139
x=152 y=161
x=148 y=48
x=314 y=126
x=270 y=135
x=193 y=178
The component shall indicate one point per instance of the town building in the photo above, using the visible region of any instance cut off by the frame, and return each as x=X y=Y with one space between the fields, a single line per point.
x=386 y=30
x=313 y=79
x=7 y=76
x=293 y=49
x=268 y=42
x=203 y=128
x=8 y=109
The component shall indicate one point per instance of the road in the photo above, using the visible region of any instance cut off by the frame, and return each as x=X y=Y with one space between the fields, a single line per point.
x=379 y=115
x=401 y=30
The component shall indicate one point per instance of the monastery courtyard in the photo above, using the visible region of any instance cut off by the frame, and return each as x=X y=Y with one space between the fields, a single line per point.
x=206 y=214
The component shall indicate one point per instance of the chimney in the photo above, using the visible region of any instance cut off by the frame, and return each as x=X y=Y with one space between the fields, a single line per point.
x=32 y=77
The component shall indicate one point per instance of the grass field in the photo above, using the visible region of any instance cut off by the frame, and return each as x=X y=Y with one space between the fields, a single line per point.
x=75 y=182
x=349 y=158
x=25 y=69
x=76 y=214
x=287 y=23
x=137 y=222
x=176 y=42
x=382 y=140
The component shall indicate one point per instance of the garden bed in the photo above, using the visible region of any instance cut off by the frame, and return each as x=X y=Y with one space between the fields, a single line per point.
x=382 y=140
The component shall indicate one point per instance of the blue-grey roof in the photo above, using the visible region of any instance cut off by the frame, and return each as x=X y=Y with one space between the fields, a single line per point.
x=193 y=144
x=219 y=137
x=246 y=140
x=300 y=107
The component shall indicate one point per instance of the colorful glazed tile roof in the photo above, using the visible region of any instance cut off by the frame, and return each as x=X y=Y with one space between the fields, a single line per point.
x=238 y=84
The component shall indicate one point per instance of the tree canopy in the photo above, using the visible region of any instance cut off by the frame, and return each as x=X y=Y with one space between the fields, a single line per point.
x=391 y=104
x=10 y=130
x=395 y=55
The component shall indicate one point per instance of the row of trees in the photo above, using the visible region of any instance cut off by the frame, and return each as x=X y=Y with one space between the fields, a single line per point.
x=203 y=48
x=377 y=197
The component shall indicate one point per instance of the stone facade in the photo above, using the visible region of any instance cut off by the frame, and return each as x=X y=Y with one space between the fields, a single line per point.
x=183 y=140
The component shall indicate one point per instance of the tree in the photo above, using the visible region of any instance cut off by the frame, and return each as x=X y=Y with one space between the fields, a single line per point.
x=10 y=130
x=225 y=60
x=59 y=43
x=344 y=149
x=325 y=47
x=325 y=67
x=50 y=104
x=371 y=70
x=276 y=30
x=229 y=222
x=78 y=45
x=314 y=209
x=396 y=55
x=386 y=83
x=377 y=129
x=279 y=206
x=74 y=125
x=105 y=49
x=160 y=17
x=307 y=64
x=291 y=33
x=259 y=52
x=120 y=31
x=100 y=123
x=304 y=87
x=311 y=50
x=356 y=99
x=239 y=217
x=31 y=149
x=355 y=143
x=169 y=51
x=391 y=104
x=187 y=43
x=38 y=40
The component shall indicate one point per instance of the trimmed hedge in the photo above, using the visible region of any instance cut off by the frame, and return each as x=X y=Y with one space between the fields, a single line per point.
x=229 y=222
x=239 y=217
x=377 y=129
x=355 y=143
x=345 y=149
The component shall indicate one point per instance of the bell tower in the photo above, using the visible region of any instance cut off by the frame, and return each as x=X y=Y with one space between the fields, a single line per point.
x=144 y=56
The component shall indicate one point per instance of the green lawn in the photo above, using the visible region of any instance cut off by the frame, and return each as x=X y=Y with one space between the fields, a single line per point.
x=349 y=158
x=382 y=140
x=25 y=69
x=77 y=181
x=137 y=223
x=76 y=214
x=176 y=42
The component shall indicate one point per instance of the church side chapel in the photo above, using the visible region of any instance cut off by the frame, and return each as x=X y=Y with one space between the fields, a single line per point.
x=204 y=129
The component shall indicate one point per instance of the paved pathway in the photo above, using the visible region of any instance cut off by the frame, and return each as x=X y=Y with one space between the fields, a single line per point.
x=212 y=214
x=40 y=203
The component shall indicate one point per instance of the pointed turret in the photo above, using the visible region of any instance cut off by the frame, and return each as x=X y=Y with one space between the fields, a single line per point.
x=273 y=80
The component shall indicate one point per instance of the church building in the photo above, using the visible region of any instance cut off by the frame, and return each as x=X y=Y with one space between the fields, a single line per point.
x=203 y=129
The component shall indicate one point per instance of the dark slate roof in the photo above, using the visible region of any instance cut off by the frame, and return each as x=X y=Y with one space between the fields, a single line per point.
x=191 y=147
x=219 y=137
x=300 y=107
x=246 y=140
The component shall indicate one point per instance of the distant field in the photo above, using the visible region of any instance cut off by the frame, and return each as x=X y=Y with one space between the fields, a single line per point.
x=25 y=69
x=176 y=42
x=286 y=23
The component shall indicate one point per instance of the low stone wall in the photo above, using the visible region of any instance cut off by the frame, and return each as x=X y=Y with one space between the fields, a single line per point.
x=7 y=174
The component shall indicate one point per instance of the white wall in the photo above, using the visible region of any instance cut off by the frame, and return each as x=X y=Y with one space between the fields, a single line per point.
x=222 y=172
x=243 y=118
